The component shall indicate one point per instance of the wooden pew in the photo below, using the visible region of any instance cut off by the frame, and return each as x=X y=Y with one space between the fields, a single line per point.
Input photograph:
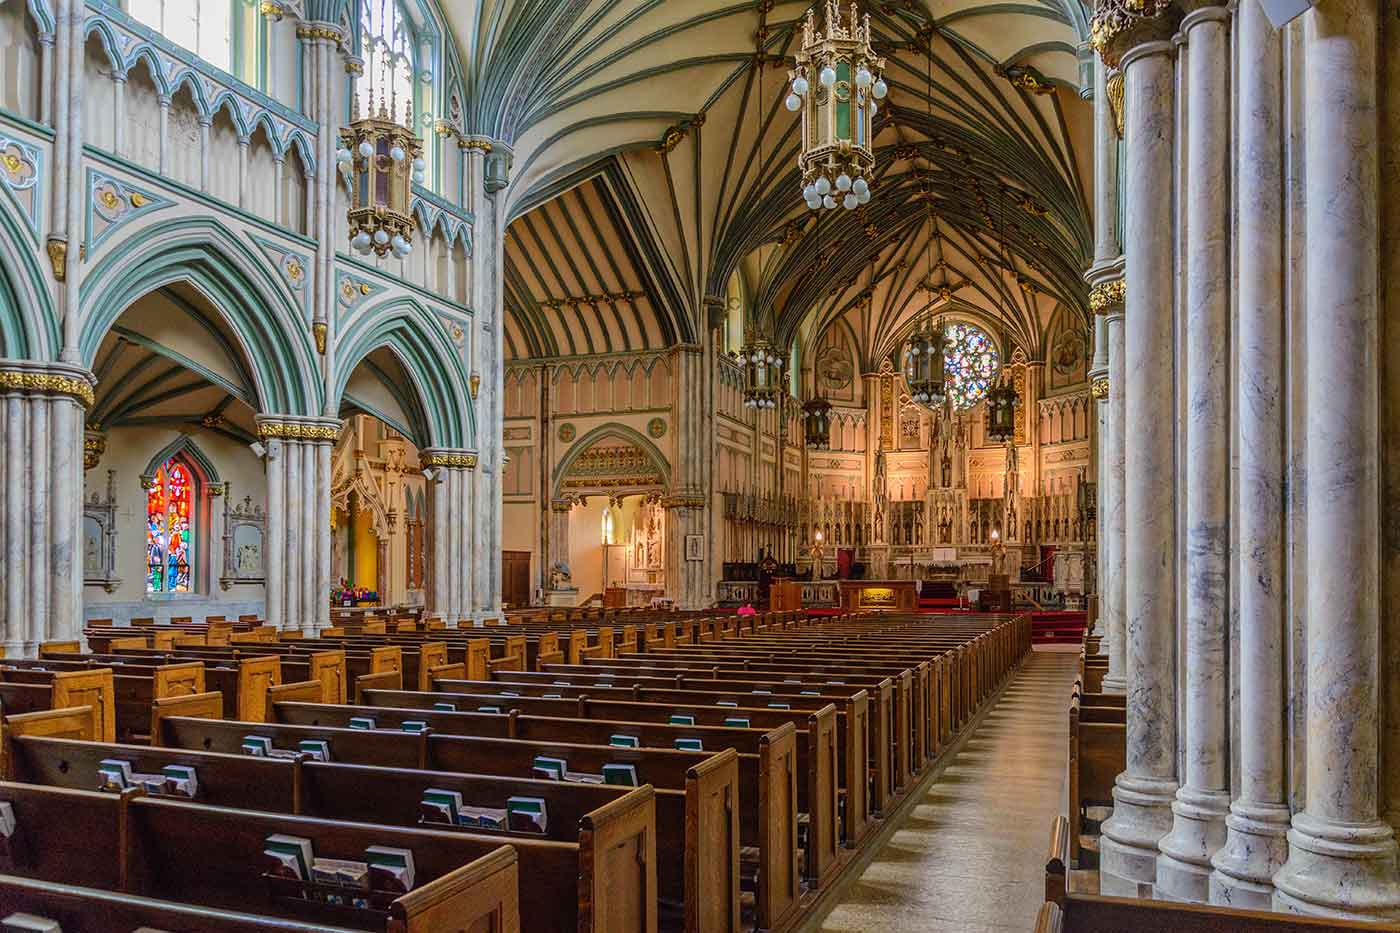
x=28 y=691
x=163 y=847
x=1097 y=755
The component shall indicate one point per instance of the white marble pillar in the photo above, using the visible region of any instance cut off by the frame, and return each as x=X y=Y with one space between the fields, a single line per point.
x=1114 y=522
x=41 y=493
x=1255 y=844
x=455 y=520
x=1342 y=858
x=1198 y=826
x=1144 y=791
x=297 y=548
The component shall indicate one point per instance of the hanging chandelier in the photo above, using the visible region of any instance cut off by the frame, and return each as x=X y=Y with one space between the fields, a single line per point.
x=924 y=366
x=763 y=371
x=837 y=159
x=817 y=423
x=1001 y=410
x=381 y=157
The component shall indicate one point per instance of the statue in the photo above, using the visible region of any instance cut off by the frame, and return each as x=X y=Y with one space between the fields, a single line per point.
x=881 y=496
x=559 y=576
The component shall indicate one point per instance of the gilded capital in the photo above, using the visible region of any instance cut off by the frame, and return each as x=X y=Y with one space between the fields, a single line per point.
x=1099 y=388
x=43 y=382
x=1119 y=25
x=458 y=459
x=296 y=429
x=1106 y=296
x=94 y=445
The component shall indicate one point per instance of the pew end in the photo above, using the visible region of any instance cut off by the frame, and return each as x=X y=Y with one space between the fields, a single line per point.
x=617 y=865
x=384 y=680
x=195 y=706
x=712 y=898
x=1050 y=919
x=1057 y=861
x=482 y=896
x=72 y=723
x=306 y=691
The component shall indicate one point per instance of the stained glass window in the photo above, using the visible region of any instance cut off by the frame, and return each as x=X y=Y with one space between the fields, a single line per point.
x=170 y=529
x=971 y=362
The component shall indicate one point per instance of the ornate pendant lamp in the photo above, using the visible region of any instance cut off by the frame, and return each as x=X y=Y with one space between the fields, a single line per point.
x=381 y=157
x=817 y=423
x=1001 y=410
x=924 y=368
x=763 y=371
x=837 y=159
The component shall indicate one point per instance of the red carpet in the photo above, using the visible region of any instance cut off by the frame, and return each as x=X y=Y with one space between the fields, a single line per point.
x=1056 y=627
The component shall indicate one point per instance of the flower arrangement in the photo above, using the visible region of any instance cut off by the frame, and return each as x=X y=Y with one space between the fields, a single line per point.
x=347 y=596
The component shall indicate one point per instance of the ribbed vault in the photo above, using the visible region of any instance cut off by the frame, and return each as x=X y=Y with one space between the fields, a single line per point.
x=984 y=136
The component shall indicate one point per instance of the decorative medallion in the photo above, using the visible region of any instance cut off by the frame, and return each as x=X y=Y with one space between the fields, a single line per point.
x=350 y=290
x=656 y=427
x=113 y=203
x=293 y=270
x=567 y=432
x=22 y=179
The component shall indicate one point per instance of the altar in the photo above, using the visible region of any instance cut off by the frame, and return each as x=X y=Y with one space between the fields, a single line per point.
x=888 y=595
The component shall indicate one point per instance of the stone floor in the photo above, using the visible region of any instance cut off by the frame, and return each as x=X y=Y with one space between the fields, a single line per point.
x=970 y=856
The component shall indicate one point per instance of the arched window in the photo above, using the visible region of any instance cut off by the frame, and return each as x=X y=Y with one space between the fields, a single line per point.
x=170 y=529
x=970 y=362
x=388 y=42
x=205 y=27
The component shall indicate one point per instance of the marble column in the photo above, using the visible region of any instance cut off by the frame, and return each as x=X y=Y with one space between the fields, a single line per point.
x=1198 y=825
x=1143 y=793
x=1115 y=518
x=1106 y=298
x=41 y=493
x=1098 y=390
x=297 y=550
x=450 y=492
x=1342 y=858
x=1255 y=845
x=687 y=507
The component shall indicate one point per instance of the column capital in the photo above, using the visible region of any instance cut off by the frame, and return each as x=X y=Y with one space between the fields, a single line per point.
x=1119 y=26
x=1108 y=295
x=31 y=378
x=1099 y=388
x=297 y=428
x=448 y=457
x=94 y=445
x=684 y=500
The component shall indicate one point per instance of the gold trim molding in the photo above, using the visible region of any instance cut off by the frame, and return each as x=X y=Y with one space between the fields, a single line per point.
x=459 y=459
x=298 y=431
x=683 y=501
x=25 y=380
x=1099 y=388
x=1105 y=296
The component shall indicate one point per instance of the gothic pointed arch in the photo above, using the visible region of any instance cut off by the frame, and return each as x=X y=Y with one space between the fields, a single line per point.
x=612 y=459
x=236 y=281
x=183 y=446
x=28 y=326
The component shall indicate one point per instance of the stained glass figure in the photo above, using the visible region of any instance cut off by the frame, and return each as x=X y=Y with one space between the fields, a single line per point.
x=169 y=529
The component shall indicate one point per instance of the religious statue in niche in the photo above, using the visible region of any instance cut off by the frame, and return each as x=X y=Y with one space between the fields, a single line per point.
x=100 y=537
x=245 y=527
x=559 y=576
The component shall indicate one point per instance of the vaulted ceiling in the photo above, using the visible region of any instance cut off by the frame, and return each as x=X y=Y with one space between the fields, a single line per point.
x=654 y=158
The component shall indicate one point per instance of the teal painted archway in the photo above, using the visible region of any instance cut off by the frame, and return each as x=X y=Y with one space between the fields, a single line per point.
x=239 y=284
x=417 y=339
x=28 y=325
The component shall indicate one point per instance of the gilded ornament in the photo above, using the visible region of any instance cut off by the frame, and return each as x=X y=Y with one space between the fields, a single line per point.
x=318 y=331
x=138 y=200
x=12 y=163
x=94 y=445
x=1099 y=388
x=1107 y=295
x=58 y=258
x=49 y=383
x=212 y=420
x=474 y=383
x=297 y=431
x=1118 y=25
x=109 y=199
x=272 y=9
x=463 y=461
x=683 y=501
x=1114 y=86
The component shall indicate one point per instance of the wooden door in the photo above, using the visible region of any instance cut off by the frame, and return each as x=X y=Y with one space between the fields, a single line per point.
x=515 y=578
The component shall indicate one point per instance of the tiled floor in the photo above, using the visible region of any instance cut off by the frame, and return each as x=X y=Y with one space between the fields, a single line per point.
x=970 y=856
